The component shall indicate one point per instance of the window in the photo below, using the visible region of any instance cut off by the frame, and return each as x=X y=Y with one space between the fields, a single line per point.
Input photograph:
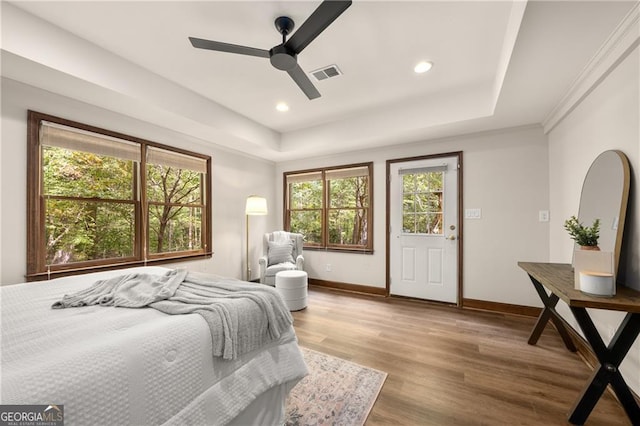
x=99 y=199
x=422 y=201
x=331 y=207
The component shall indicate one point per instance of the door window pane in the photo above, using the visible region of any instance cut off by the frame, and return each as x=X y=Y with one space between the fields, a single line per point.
x=422 y=203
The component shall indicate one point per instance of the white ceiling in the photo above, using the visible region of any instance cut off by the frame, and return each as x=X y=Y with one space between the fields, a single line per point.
x=496 y=64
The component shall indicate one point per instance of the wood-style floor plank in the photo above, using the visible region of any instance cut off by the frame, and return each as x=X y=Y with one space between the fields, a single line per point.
x=449 y=366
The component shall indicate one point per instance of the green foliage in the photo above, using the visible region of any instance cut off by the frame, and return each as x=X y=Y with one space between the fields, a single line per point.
x=82 y=174
x=349 y=192
x=306 y=195
x=90 y=207
x=583 y=235
x=174 y=229
x=348 y=226
x=348 y=203
x=83 y=221
x=308 y=223
x=422 y=203
x=174 y=220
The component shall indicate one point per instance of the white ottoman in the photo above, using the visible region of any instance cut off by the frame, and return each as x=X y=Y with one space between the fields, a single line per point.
x=292 y=286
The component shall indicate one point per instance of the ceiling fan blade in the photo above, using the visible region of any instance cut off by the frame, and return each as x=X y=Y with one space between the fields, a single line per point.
x=320 y=19
x=226 y=47
x=301 y=79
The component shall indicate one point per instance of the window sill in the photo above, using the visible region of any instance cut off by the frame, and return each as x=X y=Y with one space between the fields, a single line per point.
x=65 y=272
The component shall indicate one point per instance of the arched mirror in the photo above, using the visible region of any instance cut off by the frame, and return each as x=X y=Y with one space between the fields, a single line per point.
x=605 y=193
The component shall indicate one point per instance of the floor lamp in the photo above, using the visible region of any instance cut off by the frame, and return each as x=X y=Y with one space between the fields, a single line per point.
x=256 y=206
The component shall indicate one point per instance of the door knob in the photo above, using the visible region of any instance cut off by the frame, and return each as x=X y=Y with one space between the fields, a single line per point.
x=451 y=237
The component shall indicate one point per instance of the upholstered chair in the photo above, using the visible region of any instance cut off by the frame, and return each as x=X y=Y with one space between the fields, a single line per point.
x=282 y=251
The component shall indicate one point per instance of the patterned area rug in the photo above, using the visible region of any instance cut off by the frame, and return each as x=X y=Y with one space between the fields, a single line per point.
x=336 y=392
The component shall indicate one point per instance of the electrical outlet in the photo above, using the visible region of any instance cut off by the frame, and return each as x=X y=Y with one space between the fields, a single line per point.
x=543 y=216
x=327 y=267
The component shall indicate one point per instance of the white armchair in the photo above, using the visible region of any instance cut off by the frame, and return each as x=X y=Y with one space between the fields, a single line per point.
x=282 y=252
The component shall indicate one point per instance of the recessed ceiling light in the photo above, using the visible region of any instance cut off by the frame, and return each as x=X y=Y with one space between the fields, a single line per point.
x=423 y=67
x=282 y=107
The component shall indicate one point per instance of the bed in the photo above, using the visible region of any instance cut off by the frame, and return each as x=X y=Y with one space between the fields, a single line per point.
x=113 y=365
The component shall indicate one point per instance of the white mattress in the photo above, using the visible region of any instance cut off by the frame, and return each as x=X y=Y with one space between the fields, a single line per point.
x=132 y=366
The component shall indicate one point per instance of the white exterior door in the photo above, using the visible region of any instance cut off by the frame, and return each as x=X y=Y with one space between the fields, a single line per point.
x=423 y=215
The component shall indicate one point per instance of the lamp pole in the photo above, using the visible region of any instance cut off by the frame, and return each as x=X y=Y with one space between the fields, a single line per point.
x=248 y=276
x=255 y=206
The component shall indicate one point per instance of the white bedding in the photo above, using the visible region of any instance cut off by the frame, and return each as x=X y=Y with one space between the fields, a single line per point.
x=133 y=366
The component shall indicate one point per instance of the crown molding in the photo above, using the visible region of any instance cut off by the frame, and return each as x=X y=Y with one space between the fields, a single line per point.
x=622 y=41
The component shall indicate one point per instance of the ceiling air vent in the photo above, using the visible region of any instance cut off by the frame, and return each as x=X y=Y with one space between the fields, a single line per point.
x=326 y=72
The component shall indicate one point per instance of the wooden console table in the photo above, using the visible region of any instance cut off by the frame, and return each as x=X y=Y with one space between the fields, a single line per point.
x=559 y=280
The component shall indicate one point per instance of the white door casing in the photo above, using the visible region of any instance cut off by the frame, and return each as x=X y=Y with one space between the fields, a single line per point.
x=423 y=258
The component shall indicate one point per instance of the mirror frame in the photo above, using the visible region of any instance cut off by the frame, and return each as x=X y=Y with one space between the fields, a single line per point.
x=624 y=164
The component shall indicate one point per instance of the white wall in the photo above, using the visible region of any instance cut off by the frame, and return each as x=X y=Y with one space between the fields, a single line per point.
x=505 y=174
x=234 y=178
x=608 y=118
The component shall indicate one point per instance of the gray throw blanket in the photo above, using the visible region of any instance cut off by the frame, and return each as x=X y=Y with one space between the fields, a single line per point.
x=241 y=316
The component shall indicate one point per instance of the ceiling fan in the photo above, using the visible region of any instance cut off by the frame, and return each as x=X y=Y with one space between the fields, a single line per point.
x=284 y=56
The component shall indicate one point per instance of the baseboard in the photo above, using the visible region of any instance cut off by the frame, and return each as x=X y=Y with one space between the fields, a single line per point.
x=504 y=308
x=351 y=288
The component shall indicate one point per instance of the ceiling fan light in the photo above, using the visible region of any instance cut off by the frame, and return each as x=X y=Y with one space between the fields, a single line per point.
x=423 y=67
x=282 y=107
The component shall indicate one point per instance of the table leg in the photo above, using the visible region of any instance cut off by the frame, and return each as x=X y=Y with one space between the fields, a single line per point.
x=549 y=312
x=607 y=372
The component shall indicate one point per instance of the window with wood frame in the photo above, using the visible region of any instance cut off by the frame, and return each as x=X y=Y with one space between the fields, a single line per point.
x=100 y=199
x=331 y=207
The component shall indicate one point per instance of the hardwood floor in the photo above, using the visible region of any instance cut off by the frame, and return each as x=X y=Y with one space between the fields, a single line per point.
x=448 y=366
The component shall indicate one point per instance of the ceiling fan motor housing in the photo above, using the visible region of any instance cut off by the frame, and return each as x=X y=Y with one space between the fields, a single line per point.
x=283 y=59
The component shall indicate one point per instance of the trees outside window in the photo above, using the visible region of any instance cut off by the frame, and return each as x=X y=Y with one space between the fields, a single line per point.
x=89 y=206
x=305 y=212
x=331 y=207
x=97 y=198
x=422 y=202
x=174 y=199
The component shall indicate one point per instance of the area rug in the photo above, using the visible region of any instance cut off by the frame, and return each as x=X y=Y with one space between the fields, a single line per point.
x=336 y=392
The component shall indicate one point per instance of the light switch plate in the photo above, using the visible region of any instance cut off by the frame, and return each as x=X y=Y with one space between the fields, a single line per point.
x=473 y=213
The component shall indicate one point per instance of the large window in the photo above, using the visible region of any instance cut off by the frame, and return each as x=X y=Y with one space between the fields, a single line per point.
x=331 y=207
x=98 y=199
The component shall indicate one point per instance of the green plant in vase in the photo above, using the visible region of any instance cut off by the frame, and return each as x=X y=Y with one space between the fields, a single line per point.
x=585 y=236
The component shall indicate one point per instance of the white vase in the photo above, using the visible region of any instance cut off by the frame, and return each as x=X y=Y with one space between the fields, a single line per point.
x=597 y=283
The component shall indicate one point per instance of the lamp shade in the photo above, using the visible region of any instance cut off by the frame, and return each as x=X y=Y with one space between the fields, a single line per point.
x=256 y=206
